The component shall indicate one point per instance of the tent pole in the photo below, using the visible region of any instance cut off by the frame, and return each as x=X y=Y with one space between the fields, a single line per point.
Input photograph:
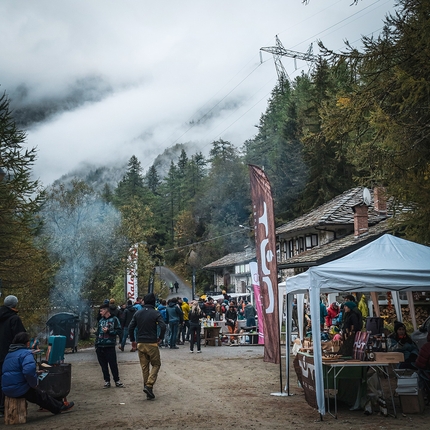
x=281 y=392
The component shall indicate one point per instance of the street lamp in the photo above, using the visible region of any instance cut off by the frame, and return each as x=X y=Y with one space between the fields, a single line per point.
x=193 y=261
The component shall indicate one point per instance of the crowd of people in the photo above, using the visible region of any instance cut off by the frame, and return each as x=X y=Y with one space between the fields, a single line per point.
x=153 y=323
x=181 y=317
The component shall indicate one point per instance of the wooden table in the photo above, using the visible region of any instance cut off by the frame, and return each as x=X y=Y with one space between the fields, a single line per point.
x=211 y=334
x=233 y=335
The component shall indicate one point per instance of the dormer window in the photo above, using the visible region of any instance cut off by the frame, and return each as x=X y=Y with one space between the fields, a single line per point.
x=301 y=245
x=314 y=240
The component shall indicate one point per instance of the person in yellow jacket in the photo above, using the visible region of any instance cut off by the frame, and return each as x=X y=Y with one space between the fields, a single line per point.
x=186 y=326
x=362 y=307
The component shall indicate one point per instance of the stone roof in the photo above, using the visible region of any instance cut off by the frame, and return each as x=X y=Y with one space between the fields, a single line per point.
x=232 y=259
x=336 y=249
x=337 y=211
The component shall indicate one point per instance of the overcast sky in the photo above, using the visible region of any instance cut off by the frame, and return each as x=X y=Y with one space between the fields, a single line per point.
x=100 y=80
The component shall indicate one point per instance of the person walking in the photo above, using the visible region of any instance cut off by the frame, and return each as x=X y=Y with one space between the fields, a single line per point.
x=176 y=285
x=10 y=326
x=147 y=321
x=108 y=329
x=194 y=316
x=174 y=319
x=20 y=377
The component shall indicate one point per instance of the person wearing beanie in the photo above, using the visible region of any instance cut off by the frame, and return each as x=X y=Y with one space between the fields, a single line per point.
x=150 y=332
x=400 y=341
x=350 y=326
x=20 y=377
x=10 y=326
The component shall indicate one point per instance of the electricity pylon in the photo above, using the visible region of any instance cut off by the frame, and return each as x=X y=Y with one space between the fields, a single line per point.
x=279 y=51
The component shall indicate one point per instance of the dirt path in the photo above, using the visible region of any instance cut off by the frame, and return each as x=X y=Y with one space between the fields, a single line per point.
x=224 y=387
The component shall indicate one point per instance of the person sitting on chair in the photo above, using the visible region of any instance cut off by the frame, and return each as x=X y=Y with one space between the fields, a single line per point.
x=20 y=377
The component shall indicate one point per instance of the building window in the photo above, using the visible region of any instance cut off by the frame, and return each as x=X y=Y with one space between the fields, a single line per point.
x=314 y=240
x=308 y=242
x=290 y=249
x=301 y=245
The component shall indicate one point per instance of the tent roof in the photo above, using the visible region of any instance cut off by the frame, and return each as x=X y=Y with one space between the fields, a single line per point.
x=388 y=263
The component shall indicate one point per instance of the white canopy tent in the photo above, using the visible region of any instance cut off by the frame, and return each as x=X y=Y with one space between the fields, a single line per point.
x=386 y=264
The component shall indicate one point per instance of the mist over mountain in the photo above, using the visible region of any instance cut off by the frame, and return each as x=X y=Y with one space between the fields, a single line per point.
x=29 y=109
x=98 y=176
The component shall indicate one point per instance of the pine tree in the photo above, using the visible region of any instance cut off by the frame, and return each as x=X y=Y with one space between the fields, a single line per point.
x=132 y=184
x=24 y=268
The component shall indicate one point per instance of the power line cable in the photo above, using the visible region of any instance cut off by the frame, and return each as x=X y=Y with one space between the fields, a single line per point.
x=204 y=241
x=246 y=77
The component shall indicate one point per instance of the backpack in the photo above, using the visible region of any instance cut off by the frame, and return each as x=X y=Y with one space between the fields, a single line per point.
x=163 y=313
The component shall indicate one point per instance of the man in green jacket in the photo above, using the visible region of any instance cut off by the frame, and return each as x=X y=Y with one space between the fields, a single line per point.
x=108 y=329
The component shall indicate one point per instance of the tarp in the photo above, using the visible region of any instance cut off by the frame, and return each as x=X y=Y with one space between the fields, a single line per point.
x=386 y=264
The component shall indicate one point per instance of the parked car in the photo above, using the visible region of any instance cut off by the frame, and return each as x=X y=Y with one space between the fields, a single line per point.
x=420 y=336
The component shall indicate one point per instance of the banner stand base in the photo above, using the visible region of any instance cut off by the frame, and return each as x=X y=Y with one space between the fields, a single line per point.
x=280 y=394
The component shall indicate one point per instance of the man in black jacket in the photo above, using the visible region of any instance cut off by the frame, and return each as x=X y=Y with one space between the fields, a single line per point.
x=147 y=320
x=10 y=326
x=130 y=310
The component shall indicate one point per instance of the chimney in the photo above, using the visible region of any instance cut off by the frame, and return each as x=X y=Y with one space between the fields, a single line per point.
x=361 y=220
x=380 y=200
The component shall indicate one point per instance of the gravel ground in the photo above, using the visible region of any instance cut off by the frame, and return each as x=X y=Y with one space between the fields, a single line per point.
x=224 y=387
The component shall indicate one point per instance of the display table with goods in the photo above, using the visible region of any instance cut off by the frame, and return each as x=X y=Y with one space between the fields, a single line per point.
x=355 y=380
x=346 y=379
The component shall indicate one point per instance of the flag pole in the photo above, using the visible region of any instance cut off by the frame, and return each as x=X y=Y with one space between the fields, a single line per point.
x=281 y=393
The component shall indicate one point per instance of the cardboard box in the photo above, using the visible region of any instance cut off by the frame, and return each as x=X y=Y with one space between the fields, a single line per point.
x=412 y=404
x=389 y=357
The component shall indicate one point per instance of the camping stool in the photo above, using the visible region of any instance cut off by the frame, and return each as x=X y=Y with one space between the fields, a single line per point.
x=15 y=410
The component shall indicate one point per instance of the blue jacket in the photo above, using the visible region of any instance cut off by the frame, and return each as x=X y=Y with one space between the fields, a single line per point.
x=174 y=314
x=19 y=371
x=163 y=311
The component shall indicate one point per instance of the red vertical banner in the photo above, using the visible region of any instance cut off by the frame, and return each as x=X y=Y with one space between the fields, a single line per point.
x=265 y=245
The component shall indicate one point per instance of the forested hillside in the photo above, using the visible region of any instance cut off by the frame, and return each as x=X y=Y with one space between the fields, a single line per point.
x=358 y=118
